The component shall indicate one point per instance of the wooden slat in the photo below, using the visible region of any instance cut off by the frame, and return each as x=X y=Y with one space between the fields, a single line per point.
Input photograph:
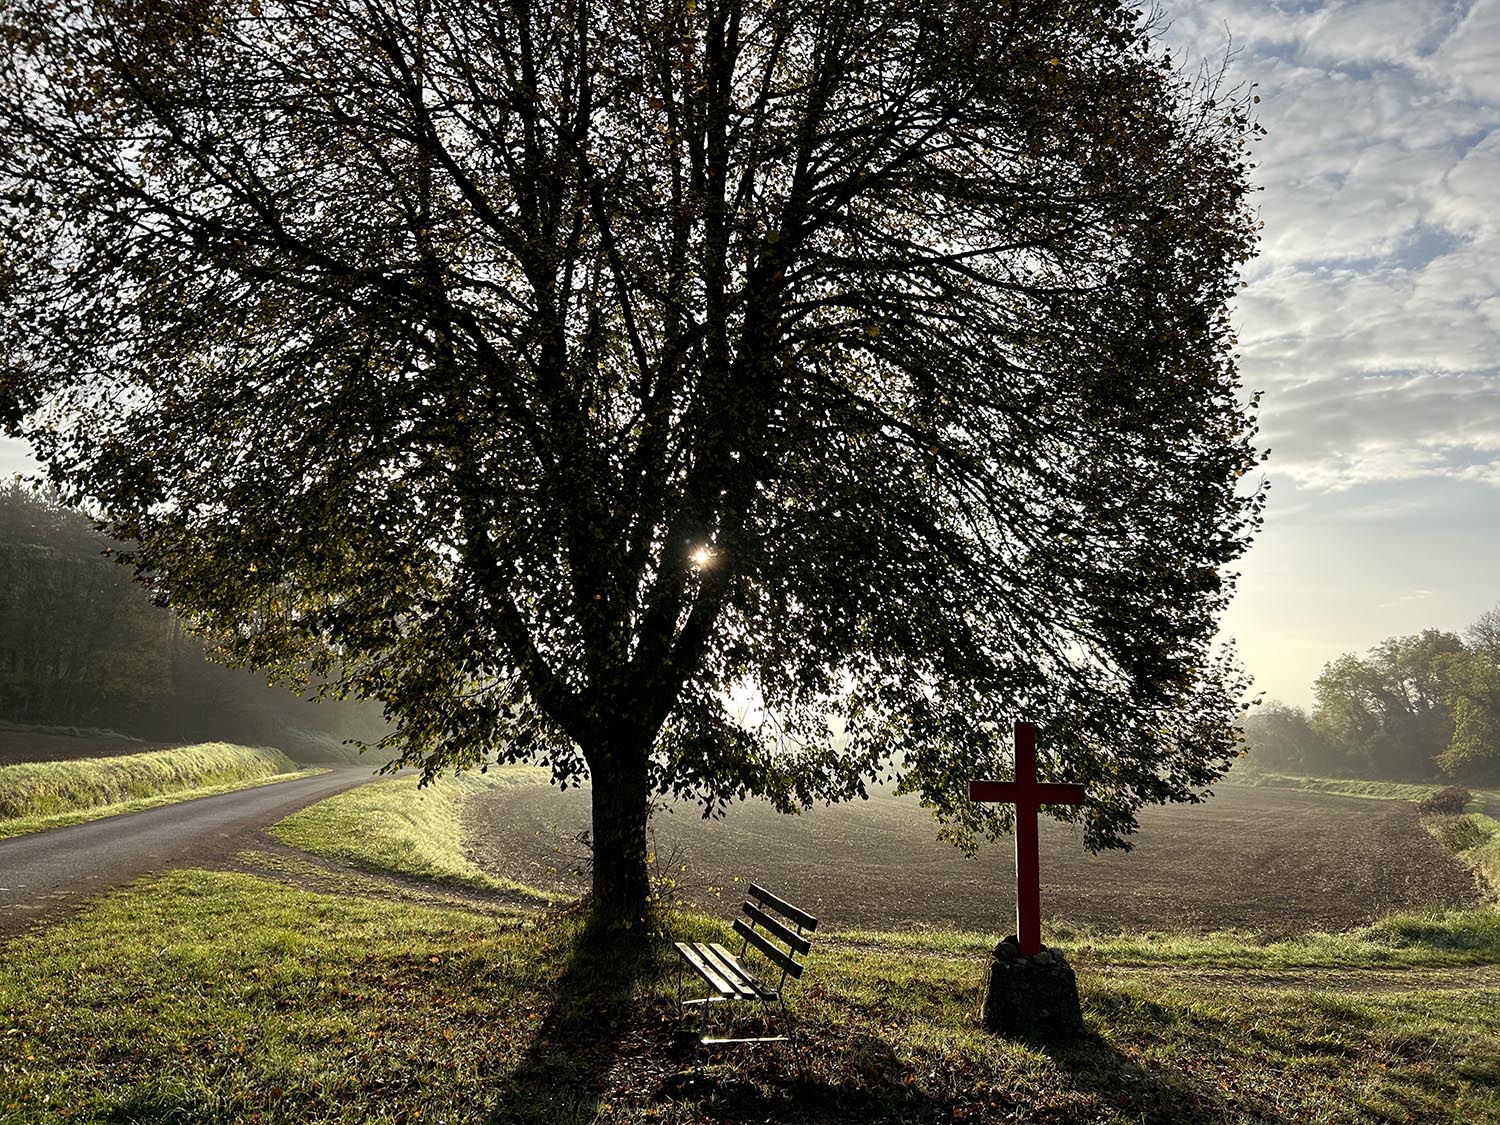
x=779 y=928
x=758 y=988
x=784 y=908
x=741 y=978
x=694 y=957
x=780 y=958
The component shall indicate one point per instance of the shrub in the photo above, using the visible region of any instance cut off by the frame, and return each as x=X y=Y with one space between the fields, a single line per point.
x=1450 y=800
x=1457 y=833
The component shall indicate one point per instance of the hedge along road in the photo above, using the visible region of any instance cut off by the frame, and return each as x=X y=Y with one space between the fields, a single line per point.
x=45 y=875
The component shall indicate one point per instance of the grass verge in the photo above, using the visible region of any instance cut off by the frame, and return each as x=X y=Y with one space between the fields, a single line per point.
x=36 y=795
x=21 y=825
x=1475 y=839
x=1355 y=787
x=394 y=827
x=1434 y=940
x=216 y=997
x=1338 y=786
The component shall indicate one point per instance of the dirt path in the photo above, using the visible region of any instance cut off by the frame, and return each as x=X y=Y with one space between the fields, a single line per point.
x=1272 y=861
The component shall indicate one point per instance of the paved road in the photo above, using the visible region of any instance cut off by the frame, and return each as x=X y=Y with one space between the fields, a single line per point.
x=44 y=875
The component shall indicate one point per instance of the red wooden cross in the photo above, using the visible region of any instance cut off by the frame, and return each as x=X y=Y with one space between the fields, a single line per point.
x=1027 y=795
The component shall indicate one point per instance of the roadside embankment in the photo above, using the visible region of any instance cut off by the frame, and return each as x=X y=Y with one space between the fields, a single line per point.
x=399 y=827
x=36 y=795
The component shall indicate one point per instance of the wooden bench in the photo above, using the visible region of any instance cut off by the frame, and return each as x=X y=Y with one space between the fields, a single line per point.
x=731 y=981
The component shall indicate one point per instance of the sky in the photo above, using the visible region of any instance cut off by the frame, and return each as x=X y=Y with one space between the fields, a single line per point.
x=1370 y=322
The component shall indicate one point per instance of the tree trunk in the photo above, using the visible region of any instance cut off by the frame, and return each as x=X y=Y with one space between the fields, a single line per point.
x=622 y=886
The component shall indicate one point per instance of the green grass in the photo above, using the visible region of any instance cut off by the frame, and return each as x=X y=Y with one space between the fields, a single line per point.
x=1484 y=855
x=1434 y=940
x=35 y=795
x=1339 y=786
x=214 y=997
x=21 y=825
x=1475 y=839
x=394 y=827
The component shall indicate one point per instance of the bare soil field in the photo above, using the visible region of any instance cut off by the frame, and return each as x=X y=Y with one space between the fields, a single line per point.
x=1268 y=860
x=33 y=746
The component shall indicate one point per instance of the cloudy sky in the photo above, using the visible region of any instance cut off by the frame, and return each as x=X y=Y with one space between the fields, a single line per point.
x=1371 y=321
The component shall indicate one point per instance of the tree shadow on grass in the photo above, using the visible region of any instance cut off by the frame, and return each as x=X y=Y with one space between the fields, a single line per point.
x=859 y=1077
x=1138 y=1093
x=852 y=1082
x=564 y=1074
x=605 y=1051
x=1155 y=1094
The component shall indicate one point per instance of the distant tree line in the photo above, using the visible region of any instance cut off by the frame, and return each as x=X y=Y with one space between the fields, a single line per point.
x=1413 y=708
x=82 y=645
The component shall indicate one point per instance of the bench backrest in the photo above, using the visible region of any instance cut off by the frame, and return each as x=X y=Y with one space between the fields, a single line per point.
x=778 y=940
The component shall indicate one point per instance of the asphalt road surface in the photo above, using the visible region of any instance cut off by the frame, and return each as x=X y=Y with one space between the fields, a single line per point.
x=44 y=875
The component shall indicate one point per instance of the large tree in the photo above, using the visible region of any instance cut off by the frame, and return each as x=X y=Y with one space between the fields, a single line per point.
x=557 y=370
x=1473 y=678
x=1389 y=713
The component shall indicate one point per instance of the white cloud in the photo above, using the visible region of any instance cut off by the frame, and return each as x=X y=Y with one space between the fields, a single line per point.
x=1414 y=596
x=1372 y=319
x=1465 y=62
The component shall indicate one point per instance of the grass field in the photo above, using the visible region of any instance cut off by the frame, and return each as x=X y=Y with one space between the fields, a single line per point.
x=395 y=827
x=217 y=997
x=37 y=795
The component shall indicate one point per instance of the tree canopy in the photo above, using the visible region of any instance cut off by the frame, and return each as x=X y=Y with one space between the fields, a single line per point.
x=1389 y=711
x=1411 y=708
x=554 y=372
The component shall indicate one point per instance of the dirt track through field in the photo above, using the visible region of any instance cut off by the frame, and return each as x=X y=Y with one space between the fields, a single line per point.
x=1274 y=861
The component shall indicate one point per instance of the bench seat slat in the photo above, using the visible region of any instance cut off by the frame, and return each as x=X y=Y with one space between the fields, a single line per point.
x=709 y=972
x=740 y=978
x=722 y=970
x=758 y=989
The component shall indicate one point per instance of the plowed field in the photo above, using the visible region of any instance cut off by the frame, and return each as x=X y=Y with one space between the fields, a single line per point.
x=1273 y=861
x=30 y=746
